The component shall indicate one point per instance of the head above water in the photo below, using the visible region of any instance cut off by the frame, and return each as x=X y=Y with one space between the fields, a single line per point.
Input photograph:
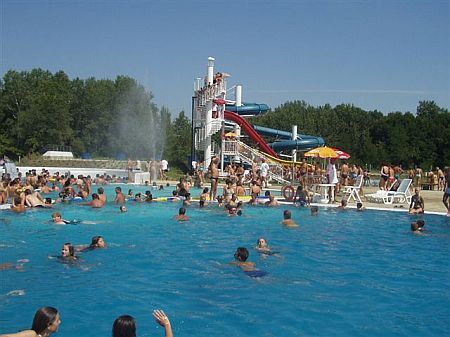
x=46 y=321
x=124 y=326
x=241 y=254
x=287 y=214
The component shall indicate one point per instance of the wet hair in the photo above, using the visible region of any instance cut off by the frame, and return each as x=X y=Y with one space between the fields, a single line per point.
x=182 y=211
x=359 y=205
x=118 y=188
x=239 y=212
x=420 y=223
x=287 y=214
x=343 y=202
x=206 y=190
x=414 y=226
x=241 y=254
x=48 y=200
x=314 y=210
x=95 y=196
x=94 y=241
x=43 y=318
x=17 y=201
x=124 y=326
x=100 y=190
x=71 y=248
x=56 y=214
x=267 y=193
x=202 y=203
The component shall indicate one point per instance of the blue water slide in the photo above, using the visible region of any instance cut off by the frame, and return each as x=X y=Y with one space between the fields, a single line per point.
x=248 y=109
x=303 y=142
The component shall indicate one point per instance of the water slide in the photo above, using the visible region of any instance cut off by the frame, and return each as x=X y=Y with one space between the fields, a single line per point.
x=248 y=109
x=303 y=142
x=249 y=130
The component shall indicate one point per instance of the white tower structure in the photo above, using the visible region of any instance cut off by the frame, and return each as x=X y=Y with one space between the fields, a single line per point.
x=209 y=109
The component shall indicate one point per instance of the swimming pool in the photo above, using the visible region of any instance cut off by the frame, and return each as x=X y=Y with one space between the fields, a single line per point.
x=339 y=274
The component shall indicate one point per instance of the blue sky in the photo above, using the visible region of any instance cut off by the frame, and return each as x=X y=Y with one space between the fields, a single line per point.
x=384 y=55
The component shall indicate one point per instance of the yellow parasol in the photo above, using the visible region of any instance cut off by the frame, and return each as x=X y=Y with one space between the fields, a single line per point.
x=231 y=134
x=322 y=152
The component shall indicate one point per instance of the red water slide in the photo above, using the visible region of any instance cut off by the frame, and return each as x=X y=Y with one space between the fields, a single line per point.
x=249 y=130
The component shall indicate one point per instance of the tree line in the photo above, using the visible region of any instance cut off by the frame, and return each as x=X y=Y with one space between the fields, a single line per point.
x=420 y=139
x=96 y=117
x=111 y=118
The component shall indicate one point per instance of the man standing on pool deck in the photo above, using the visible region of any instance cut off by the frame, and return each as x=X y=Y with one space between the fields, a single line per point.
x=164 y=169
x=447 y=191
x=264 y=172
x=332 y=178
x=213 y=172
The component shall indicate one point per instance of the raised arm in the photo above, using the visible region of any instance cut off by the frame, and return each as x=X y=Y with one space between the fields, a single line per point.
x=164 y=321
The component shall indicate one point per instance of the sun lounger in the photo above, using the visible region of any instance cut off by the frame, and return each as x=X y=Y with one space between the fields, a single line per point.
x=402 y=193
x=352 y=192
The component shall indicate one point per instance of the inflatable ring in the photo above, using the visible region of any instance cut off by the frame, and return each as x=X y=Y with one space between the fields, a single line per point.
x=288 y=192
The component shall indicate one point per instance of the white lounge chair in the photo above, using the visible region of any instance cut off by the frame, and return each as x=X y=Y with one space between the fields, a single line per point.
x=377 y=197
x=402 y=193
x=352 y=192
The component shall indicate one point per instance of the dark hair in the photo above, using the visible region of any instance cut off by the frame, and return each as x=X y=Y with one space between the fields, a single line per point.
x=100 y=190
x=420 y=223
x=359 y=205
x=71 y=248
x=124 y=326
x=43 y=318
x=118 y=188
x=241 y=254
x=267 y=193
x=182 y=211
x=94 y=241
x=206 y=190
x=287 y=214
x=95 y=196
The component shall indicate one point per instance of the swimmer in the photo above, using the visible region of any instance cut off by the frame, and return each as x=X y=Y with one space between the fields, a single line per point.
x=360 y=207
x=187 y=200
x=123 y=209
x=262 y=246
x=182 y=215
x=148 y=196
x=272 y=201
x=18 y=205
x=343 y=204
x=97 y=242
x=287 y=219
x=120 y=197
x=102 y=195
x=314 y=210
x=58 y=220
x=46 y=321
x=415 y=228
x=68 y=252
x=125 y=325
x=241 y=256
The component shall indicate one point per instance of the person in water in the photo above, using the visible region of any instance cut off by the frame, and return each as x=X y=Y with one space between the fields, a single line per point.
x=125 y=325
x=314 y=210
x=120 y=197
x=68 y=252
x=241 y=255
x=123 y=209
x=97 y=242
x=360 y=207
x=58 y=220
x=46 y=322
x=262 y=246
x=182 y=215
x=287 y=219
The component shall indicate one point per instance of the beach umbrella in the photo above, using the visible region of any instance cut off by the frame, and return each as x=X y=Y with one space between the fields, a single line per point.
x=322 y=152
x=341 y=154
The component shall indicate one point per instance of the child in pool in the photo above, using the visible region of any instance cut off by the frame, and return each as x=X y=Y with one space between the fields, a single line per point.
x=241 y=257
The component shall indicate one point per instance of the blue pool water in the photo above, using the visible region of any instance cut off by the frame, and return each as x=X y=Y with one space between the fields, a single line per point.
x=339 y=274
